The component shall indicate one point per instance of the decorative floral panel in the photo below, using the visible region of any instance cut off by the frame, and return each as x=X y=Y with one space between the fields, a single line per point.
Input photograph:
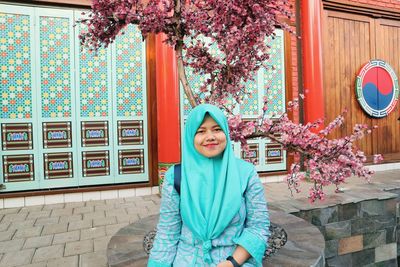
x=93 y=82
x=55 y=67
x=18 y=168
x=94 y=133
x=273 y=153
x=274 y=86
x=131 y=161
x=58 y=165
x=253 y=155
x=95 y=163
x=130 y=132
x=15 y=63
x=16 y=136
x=130 y=89
x=57 y=134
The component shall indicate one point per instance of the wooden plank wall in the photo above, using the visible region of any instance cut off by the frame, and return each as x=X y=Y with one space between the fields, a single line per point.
x=350 y=41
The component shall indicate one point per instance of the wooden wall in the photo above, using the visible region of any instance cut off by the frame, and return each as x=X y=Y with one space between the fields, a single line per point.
x=350 y=41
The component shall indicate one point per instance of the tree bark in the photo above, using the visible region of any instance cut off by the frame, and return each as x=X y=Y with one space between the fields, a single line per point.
x=183 y=78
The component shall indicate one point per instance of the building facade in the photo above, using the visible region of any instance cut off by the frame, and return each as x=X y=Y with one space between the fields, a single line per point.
x=109 y=124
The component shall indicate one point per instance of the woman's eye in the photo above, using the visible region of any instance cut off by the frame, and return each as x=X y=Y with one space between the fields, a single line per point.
x=217 y=129
x=199 y=131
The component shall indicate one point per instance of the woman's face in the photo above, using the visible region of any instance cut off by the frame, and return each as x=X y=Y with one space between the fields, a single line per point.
x=210 y=139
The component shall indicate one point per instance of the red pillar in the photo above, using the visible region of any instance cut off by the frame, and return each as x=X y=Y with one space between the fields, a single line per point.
x=168 y=117
x=311 y=11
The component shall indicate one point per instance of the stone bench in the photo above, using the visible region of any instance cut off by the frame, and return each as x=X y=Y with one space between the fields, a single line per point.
x=304 y=246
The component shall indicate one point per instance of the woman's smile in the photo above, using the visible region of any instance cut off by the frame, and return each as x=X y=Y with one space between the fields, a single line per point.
x=210 y=139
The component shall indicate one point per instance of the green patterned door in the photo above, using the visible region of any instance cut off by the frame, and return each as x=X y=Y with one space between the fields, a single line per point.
x=69 y=117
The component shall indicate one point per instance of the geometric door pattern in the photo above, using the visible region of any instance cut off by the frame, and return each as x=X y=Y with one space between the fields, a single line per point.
x=69 y=116
x=270 y=83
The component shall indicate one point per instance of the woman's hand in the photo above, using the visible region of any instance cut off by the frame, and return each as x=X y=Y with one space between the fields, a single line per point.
x=225 y=264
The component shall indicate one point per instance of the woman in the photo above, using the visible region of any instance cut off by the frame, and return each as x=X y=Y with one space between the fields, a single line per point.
x=220 y=217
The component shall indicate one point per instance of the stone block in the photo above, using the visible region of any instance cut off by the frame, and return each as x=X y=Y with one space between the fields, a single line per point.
x=38 y=214
x=71 y=218
x=31 y=208
x=391 y=235
x=339 y=261
x=371 y=224
x=73 y=197
x=386 y=252
x=14 y=217
x=38 y=241
x=11 y=245
x=54 y=206
x=114 y=228
x=350 y=244
x=389 y=263
x=81 y=210
x=28 y=232
x=9 y=210
x=372 y=207
x=37 y=264
x=80 y=225
x=348 y=211
x=75 y=204
x=14 y=202
x=364 y=257
x=375 y=239
x=47 y=221
x=78 y=247
x=21 y=224
x=71 y=261
x=95 y=202
x=100 y=244
x=55 y=228
x=93 y=232
x=48 y=253
x=66 y=237
x=94 y=215
x=104 y=221
x=337 y=230
x=391 y=207
x=17 y=259
x=105 y=207
x=61 y=212
x=324 y=216
x=7 y=235
x=331 y=248
x=4 y=226
x=98 y=259
x=115 y=212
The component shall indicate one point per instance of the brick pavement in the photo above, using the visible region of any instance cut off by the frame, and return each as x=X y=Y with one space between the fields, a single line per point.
x=77 y=234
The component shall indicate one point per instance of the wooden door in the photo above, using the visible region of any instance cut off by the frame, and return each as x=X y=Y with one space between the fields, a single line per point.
x=388 y=49
x=350 y=41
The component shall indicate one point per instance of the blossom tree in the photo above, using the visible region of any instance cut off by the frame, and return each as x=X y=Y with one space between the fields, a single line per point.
x=239 y=29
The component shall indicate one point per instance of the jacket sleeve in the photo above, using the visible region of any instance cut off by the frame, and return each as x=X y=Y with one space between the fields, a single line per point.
x=255 y=234
x=169 y=226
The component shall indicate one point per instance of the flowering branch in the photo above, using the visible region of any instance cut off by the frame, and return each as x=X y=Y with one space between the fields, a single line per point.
x=238 y=29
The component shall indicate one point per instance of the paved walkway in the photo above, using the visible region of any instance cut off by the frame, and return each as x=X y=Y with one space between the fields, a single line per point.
x=77 y=234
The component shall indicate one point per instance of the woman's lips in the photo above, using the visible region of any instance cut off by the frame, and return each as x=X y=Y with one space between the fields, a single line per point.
x=211 y=145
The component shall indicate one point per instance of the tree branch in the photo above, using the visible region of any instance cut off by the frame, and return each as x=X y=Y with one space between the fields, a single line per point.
x=182 y=75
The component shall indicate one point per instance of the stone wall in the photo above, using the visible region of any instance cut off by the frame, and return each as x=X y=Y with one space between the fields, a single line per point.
x=361 y=230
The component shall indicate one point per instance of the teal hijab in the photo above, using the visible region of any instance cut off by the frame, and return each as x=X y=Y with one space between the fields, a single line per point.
x=211 y=188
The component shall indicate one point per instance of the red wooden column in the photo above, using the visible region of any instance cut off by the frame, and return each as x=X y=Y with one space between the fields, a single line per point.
x=168 y=116
x=311 y=37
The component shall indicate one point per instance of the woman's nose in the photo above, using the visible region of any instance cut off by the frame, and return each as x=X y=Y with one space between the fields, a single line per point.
x=210 y=136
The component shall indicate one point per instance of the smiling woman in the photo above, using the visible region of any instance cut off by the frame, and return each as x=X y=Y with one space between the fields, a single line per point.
x=210 y=140
x=220 y=216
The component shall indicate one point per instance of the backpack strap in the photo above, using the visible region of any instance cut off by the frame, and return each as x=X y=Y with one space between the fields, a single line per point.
x=177 y=178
